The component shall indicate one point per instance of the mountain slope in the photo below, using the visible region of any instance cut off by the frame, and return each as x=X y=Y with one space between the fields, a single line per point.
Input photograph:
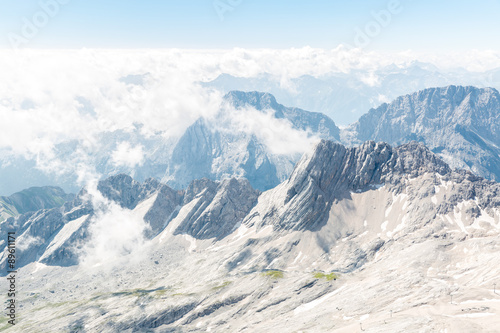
x=397 y=226
x=460 y=124
x=333 y=171
x=225 y=146
x=32 y=199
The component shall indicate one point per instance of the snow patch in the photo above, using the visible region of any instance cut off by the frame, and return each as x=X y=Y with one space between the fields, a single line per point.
x=192 y=243
x=384 y=225
x=474 y=315
x=62 y=236
x=313 y=304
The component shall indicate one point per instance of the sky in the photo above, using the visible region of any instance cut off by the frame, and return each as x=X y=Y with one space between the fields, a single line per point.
x=389 y=25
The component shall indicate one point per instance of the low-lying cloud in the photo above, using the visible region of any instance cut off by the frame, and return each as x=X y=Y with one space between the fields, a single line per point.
x=116 y=234
x=55 y=105
x=128 y=156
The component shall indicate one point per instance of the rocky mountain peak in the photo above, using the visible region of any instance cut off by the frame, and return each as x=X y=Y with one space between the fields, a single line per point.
x=197 y=187
x=218 y=209
x=460 y=124
x=258 y=100
x=125 y=191
x=332 y=171
x=219 y=148
x=333 y=166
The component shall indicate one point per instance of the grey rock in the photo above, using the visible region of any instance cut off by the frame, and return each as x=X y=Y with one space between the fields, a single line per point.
x=219 y=209
x=460 y=124
x=126 y=191
x=333 y=171
x=164 y=209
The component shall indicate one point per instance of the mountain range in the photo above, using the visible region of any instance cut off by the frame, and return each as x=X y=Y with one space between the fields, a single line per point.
x=346 y=96
x=460 y=124
x=355 y=234
x=219 y=148
x=373 y=236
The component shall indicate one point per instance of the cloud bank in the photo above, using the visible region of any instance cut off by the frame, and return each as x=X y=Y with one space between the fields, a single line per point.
x=57 y=105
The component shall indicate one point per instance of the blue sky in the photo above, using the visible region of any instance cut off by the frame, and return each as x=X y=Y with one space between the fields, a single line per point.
x=421 y=25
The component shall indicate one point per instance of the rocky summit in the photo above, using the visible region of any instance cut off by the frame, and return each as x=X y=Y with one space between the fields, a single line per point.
x=221 y=148
x=460 y=124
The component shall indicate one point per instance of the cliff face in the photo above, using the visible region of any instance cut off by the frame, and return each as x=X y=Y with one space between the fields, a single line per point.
x=333 y=171
x=219 y=207
x=460 y=124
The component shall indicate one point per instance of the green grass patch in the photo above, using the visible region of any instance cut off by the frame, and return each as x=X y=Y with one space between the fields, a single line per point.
x=225 y=284
x=161 y=292
x=184 y=294
x=327 y=277
x=274 y=274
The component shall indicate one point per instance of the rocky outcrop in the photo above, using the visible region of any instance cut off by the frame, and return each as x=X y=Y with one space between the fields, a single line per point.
x=164 y=209
x=219 y=207
x=460 y=124
x=332 y=172
x=125 y=191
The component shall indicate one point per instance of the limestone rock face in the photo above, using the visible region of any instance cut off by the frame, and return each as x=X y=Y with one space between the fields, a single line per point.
x=332 y=172
x=216 y=149
x=459 y=124
x=221 y=207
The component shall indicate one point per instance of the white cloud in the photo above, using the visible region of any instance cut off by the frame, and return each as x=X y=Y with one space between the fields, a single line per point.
x=41 y=93
x=128 y=156
x=278 y=135
x=383 y=99
x=116 y=233
x=25 y=241
x=370 y=79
